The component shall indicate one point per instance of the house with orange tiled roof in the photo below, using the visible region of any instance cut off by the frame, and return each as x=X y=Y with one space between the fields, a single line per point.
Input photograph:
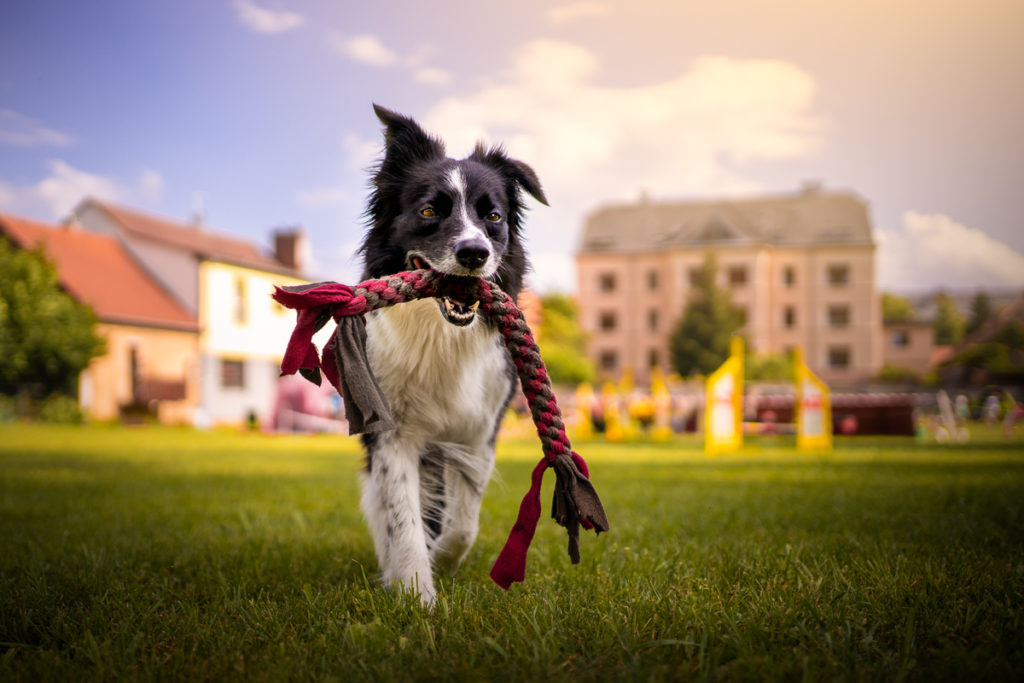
x=225 y=283
x=152 y=355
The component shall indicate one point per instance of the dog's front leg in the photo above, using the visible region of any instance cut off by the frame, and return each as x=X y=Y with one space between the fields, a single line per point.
x=466 y=475
x=391 y=504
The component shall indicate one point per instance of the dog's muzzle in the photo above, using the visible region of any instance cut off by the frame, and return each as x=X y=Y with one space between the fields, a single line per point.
x=456 y=312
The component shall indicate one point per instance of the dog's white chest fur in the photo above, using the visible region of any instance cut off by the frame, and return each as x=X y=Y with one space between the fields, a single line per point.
x=444 y=383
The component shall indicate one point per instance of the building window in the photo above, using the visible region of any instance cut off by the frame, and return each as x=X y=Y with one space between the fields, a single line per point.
x=693 y=276
x=900 y=339
x=789 y=317
x=608 y=360
x=653 y=358
x=232 y=374
x=607 y=321
x=652 y=320
x=652 y=279
x=737 y=276
x=240 y=311
x=606 y=282
x=839 y=274
x=839 y=316
x=789 y=276
x=839 y=357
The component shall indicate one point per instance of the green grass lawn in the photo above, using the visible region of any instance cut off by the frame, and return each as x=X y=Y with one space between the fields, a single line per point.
x=157 y=553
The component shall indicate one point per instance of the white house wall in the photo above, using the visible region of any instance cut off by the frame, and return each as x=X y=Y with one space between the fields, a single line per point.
x=265 y=327
x=234 y=405
x=250 y=329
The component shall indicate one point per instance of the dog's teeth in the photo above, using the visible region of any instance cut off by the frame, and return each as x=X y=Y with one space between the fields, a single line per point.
x=458 y=312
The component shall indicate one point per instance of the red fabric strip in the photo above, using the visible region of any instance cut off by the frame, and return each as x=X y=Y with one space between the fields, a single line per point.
x=511 y=563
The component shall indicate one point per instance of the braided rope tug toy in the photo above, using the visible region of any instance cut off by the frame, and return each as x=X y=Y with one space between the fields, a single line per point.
x=575 y=500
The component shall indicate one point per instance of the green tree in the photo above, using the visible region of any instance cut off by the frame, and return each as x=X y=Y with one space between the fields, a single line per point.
x=1011 y=335
x=563 y=341
x=768 y=367
x=897 y=309
x=949 y=321
x=46 y=337
x=981 y=311
x=700 y=342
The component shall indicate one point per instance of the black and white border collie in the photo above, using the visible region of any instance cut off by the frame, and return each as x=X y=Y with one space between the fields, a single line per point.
x=445 y=370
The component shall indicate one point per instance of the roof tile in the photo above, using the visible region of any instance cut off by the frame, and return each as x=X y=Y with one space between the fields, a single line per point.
x=99 y=272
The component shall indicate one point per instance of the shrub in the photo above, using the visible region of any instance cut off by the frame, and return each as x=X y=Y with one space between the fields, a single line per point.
x=8 y=409
x=60 y=409
x=896 y=374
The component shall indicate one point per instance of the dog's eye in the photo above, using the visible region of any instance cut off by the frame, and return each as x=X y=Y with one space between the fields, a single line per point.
x=493 y=217
x=428 y=212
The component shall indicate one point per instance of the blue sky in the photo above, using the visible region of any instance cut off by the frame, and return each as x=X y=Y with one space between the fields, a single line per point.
x=258 y=112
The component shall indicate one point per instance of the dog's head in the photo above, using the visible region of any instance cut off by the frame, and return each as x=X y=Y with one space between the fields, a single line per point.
x=460 y=217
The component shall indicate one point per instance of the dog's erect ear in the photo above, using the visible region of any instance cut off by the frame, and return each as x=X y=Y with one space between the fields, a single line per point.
x=513 y=168
x=528 y=179
x=404 y=137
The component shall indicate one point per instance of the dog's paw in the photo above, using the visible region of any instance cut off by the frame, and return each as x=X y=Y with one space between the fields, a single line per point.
x=415 y=586
x=451 y=549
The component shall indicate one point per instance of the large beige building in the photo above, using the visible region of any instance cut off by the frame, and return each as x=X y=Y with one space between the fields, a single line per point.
x=801 y=267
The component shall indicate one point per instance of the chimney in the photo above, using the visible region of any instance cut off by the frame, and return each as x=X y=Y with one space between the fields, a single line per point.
x=291 y=248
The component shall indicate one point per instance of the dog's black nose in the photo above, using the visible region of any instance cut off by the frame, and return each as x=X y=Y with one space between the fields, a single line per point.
x=472 y=253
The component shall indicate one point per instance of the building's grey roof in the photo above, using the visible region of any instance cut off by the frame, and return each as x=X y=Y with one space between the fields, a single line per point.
x=810 y=218
x=203 y=243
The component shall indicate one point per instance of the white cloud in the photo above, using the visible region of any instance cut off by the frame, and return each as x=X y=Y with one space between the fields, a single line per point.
x=577 y=10
x=591 y=144
x=56 y=194
x=368 y=49
x=22 y=131
x=433 y=76
x=932 y=250
x=674 y=137
x=66 y=186
x=365 y=48
x=264 y=20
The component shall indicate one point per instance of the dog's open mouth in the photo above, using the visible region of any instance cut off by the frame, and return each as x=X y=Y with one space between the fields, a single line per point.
x=454 y=311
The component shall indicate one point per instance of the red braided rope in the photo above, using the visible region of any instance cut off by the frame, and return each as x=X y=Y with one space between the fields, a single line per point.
x=340 y=300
